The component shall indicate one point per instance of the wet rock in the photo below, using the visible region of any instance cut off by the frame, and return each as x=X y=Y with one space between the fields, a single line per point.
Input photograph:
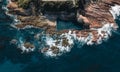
x=99 y=13
x=65 y=42
x=36 y=21
x=55 y=50
x=22 y=12
x=95 y=36
x=28 y=45
x=95 y=16
x=95 y=24
x=84 y=20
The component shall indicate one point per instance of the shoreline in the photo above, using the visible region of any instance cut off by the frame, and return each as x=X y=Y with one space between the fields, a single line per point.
x=94 y=17
x=98 y=22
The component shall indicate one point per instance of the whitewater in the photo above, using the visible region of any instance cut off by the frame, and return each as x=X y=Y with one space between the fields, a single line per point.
x=50 y=41
x=72 y=38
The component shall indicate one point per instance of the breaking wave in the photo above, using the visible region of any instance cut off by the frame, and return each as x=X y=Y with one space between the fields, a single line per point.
x=103 y=35
x=58 y=44
x=115 y=11
x=25 y=48
x=69 y=39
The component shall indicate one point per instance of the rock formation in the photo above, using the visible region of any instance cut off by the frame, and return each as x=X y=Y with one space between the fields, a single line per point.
x=4 y=16
x=95 y=16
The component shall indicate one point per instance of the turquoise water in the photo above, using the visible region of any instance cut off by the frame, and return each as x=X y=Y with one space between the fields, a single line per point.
x=96 y=58
x=62 y=25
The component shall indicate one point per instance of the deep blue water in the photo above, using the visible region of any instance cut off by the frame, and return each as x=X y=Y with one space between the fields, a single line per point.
x=96 y=58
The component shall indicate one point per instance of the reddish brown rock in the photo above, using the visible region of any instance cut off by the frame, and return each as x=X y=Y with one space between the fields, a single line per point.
x=95 y=15
x=55 y=50
x=95 y=36
x=12 y=5
x=29 y=45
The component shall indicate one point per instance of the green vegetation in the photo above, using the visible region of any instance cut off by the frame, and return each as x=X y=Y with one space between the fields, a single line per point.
x=24 y=3
x=57 y=6
x=47 y=6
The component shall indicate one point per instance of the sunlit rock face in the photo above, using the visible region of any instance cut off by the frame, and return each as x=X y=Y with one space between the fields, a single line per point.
x=98 y=17
x=101 y=22
x=56 y=47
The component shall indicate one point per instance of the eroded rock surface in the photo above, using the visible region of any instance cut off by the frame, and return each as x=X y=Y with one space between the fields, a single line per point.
x=97 y=20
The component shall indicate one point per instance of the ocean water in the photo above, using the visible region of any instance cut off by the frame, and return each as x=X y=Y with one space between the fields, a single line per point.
x=96 y=58
x=104 y=57
x=62 y=25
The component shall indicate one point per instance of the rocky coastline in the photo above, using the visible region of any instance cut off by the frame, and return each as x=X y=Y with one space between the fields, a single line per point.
x=96 y=19
x=94 y=15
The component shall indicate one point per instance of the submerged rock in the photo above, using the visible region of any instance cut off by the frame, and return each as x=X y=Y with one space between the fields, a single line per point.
x=55 y=50
x=13 y=41
x=43 y=50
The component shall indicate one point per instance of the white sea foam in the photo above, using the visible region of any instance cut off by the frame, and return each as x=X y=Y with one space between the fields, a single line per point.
x=103 y=34
x=71 y=37
x=107 y=29
x=26 y=27
x=62 y=49
x=115 y=11
x=23 y=48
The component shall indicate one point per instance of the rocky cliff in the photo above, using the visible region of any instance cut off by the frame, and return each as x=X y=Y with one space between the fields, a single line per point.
x=96 y=16
x=92 y=12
